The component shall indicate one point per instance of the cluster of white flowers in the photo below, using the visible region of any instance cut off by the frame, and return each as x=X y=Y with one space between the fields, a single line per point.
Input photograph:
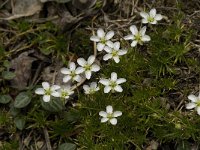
x=139 y=37
x=84 y=71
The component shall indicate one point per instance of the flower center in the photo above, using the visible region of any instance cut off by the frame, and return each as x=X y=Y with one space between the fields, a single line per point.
x=103 y=40
x=87 y=67
x=114 y=53
x=150 y=19
x=64 y=94
x=73 y=74
x=48 y=91
x=113 y=84
x=198 y=102
x=109 y=115
x=138 y=37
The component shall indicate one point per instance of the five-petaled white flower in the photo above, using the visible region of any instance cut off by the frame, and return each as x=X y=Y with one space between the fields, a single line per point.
x=109 y=115
x=47 y=91
x=65 y=92
x=112 y=84
x=195 y=103
x=102 y=38
x=113 y=51
x=71 y=73
x=87 y=66
x=91 y=89
x=137 y=36
x=150 y=17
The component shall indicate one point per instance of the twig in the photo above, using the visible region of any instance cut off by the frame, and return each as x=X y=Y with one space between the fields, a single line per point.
x=95 y=45
x=46 y=135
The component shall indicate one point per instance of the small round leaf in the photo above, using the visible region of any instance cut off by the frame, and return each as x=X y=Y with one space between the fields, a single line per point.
x=67 y=146
x=8 y=75
x=22 y=100
x=4 y=99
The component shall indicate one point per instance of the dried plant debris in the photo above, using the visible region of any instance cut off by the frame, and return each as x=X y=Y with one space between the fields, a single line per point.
x=24 y=8
x=22 y=69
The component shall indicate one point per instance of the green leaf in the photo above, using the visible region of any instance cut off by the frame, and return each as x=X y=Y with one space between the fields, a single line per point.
x=20 y=122
x=4 y=99
x=8 y=75
x=55 y=105
x=6 y=64
x=67 y=146
x=22 y=100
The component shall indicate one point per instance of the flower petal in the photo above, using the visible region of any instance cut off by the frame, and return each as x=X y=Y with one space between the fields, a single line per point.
x=79 y=70
x=66 y=78
x=144 y=15
x=108 y=49
x=134 y=43
x=81 y=61
x=145 y=38
x=77 y=78
x=113 y=121
x=120 y=80
x=117 y=113
x=143 y=30
x=95 y=38
x=198 y=110
x=103 y=114
x=118 y=88
x=116 y=45
x=45 y=85
x=122 y=52
x=40 y=91
x=158 y=17
x=72 y=66
x=107 y=56
x=88 y=74
x=193 y=98
x=100 y=46
x=134 y=29
x=152 y=12
x=46 y=98
x=109 y=35
x=100 y=33
x=104 y=120
x=93 y=85
x=86 y=87
x=190 y=105
x=113 y=76
x=154 y=22
x=144 y=21
x=110 y=44
x=109 y=109
x=116 y=59
x=95 y=68
x=91 y=59
x=129 y=37
x=56 y=94
x=65 y=71
x=55 y=87
x=104 y=81
x=107 y=89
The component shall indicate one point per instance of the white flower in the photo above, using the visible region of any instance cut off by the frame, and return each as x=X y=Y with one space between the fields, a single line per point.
x=65 y=92
x=87 y=66
x=91 y=89
x=71 y=73
x=113 y=52
x=195 y=103
x=137 y=36
x=47 y=91
x=109 y=115
x=102 y=38
x=151 y=17
x=112 y=84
